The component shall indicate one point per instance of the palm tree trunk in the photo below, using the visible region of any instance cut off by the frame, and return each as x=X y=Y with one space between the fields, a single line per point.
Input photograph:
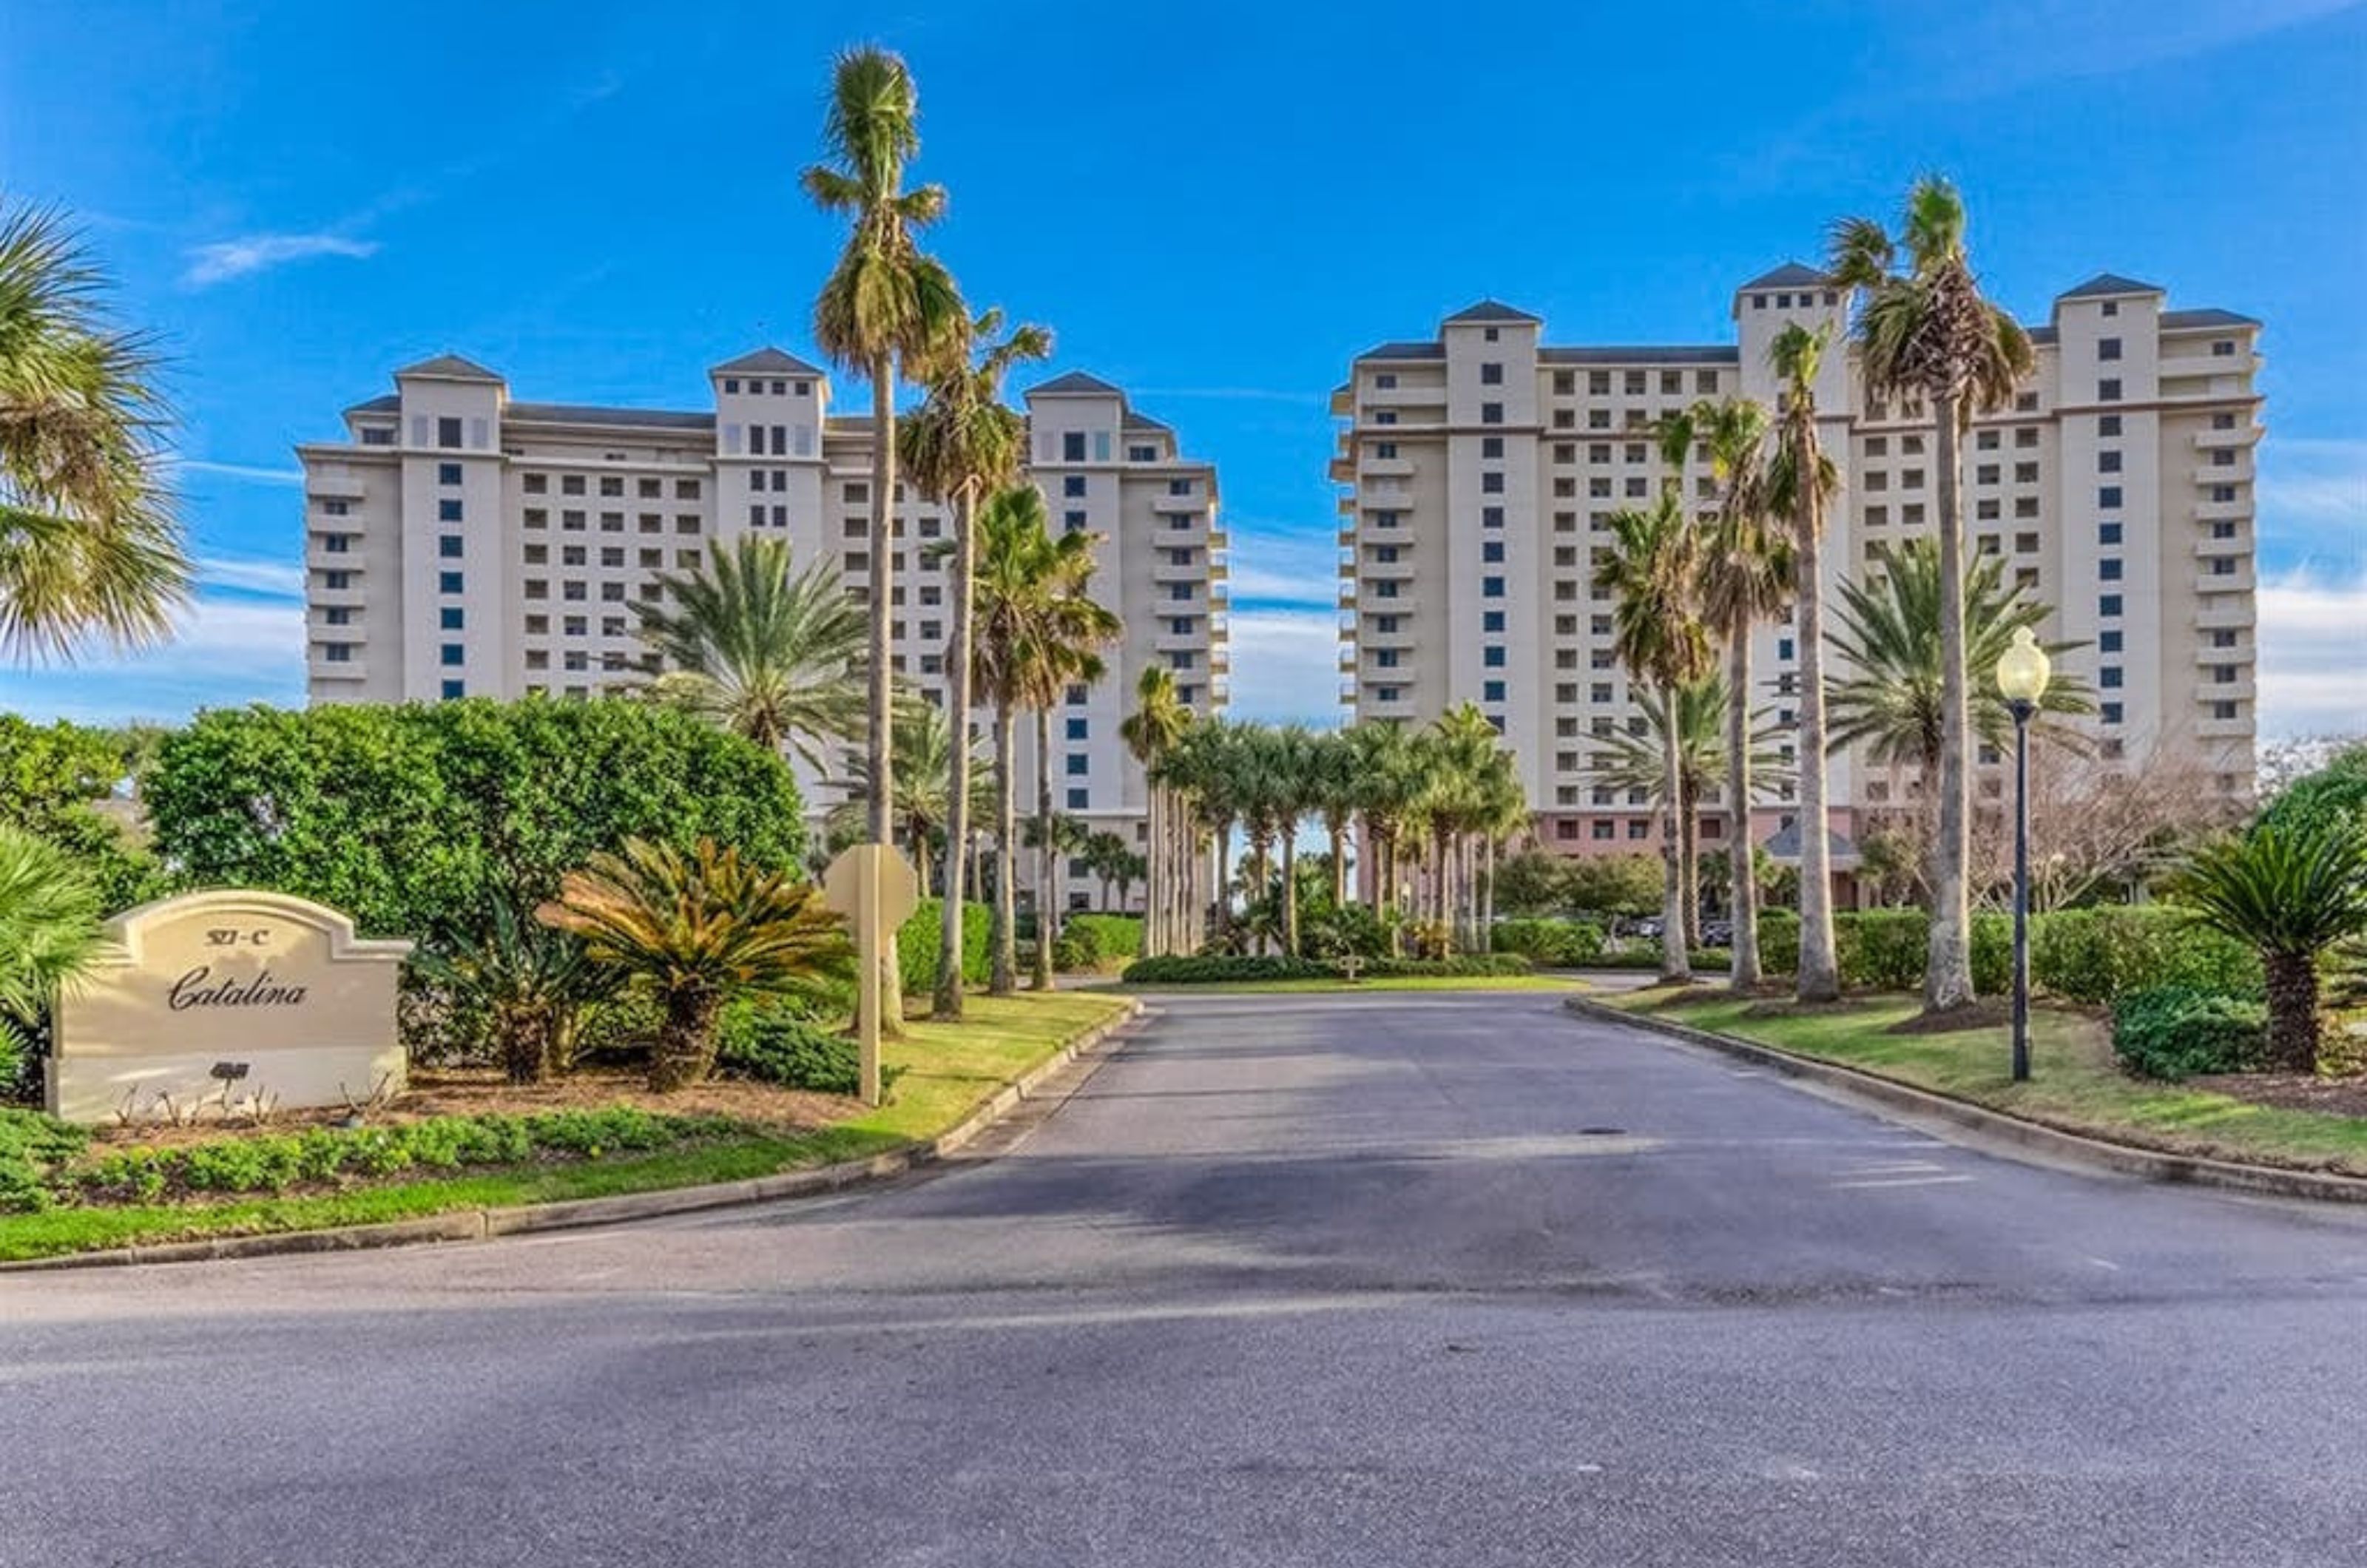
x=1339 y=863
x=1290 y=890
x=684 y=1049
x=948 y=1002
x=880 y=713
x=1003 y=977
x=1676 y=962
x=2293 y=1011
x=1689 y=861
x=1948 y=968
x=1743 y=974
x=1046 y=853
x=1819 y=976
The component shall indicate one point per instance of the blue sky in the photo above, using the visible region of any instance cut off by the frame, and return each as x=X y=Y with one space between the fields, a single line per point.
x=1216 y=208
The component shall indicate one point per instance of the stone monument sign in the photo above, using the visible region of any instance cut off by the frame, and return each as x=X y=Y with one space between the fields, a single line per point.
x=264 y=996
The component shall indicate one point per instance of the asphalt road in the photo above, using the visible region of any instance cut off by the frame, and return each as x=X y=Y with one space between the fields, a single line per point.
x=1390 y=1280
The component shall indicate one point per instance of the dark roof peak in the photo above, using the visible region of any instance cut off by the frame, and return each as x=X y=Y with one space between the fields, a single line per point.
x=1075 y=384
x=1491 y=311
x=447 y=368
x=2108 y=283
x=769 y=359
x=1791 y=275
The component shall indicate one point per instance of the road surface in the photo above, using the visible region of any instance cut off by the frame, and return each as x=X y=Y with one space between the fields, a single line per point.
x=1395 y=1278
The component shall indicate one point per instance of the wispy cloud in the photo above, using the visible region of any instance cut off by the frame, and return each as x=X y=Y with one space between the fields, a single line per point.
x=2310 y=481
x=1303 y=396
x=226 y=259
x=249 y=472
x=2313 y=636
x=284 y=579
x=226 y=651
x=1274 y=567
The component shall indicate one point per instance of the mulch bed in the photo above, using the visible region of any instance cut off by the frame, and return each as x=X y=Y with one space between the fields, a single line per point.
x=2291 y=1091
x=1990 y=1012
x=453 y=1091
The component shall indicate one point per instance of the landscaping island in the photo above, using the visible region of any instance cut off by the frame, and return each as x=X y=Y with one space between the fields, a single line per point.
x=593 y=1135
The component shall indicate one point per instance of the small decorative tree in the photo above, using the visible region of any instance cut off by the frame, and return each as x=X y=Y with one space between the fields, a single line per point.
x=700 y=930
x=2292 y=893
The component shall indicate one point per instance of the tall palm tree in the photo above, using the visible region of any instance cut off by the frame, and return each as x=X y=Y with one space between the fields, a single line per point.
x=89 y=545
x=1746 y=578
x=1037 y=632
x=1389 y=782
x=761 y=651
x=1891 y=700
x=961 y=444
x=1152 y=733
x=2291 y=891
x=1624 y=761
x=922 y=802
x=1464 y=747
x=886 y=306
x=1332 y=793
x=699 y=930
x=1800 y=480
x=1650 y=570
x=1924 y=328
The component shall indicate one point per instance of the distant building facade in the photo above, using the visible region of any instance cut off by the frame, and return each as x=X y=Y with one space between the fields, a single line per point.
x=461 y=543
x=1479 y=468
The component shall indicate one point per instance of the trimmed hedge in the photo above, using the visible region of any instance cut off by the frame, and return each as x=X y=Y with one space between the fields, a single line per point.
x=2096 y=955
x=1195 y=969
x=2175 y=1031
x=774 y=1045
x=1115 y=936
x=1549 y=942
x=916 y=946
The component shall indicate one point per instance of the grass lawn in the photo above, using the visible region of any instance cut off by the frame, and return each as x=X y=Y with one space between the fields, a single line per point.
x=950 y=1070
x=2075 y=1083
x=1386 y=983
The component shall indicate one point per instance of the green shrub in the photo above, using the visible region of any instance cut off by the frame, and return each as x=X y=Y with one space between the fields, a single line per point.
x=1553 y=943
x=32 y=1146
x=417 y=819
x=1117 y=936
x=1326 y=931
x=1779 y=942
x=918 y=937
x=1880 y=949
x=1459 y=966
x=1076 y=949
x=318 y=1157
x=773 y=1044
x=2175 y=1031
x=2096 y=955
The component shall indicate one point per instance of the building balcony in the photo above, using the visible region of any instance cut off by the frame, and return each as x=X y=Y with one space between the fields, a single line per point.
x=2235 y=547
x=1177 y=531
x=1346 y=505
x=2231 y=614
x=1400 y=603
x=2238 y=472
x=1180 y=642
x=318 y=592
x=318 y=667
x=2222 y=510
x=1389 y=467
x=1348 y=536
x=320 y=486
x=1368 y=638
x=1341 y=470
x=2241 y=690
x=2238 y=581
x=1343 y=401
x=2242 y=655
x=320 y=557
x=1385 y=571
x=1406 y=393
x=2220 y=440
x=1165 y=571
x=2184 y=366
x=2222 y=728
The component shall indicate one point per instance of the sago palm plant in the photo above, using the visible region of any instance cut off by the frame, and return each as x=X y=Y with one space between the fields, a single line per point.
x=2292 y=892
x=699 y=930
x=49 y=934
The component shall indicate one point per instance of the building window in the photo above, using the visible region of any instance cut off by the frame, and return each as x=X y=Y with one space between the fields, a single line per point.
x=2108 y=391
x=448 y=473
x=1078 y=764
x=447 y=433
x=447 y=582
x=1492 y=551
x=2108 y=642
x=1492 y=691
x=2108 y=532
x=1491 y=588
x=2112 y=713
x=1491 y=414
x=450 y=653
x=1491 y=373
x=448 y=547
x=455 y=690
x=2109 y=461
x=1492 y=656
x=2109 y=677
x=2108 y=425
x=1492 y=620
x=1492 y=483
x=2108 y=348
x=448 y=510
x=448 y=619
x=337 y=652
x=2109 y=497
x=2108 y=569
x=2108 y=605
x=1072 y=484
x=2224 y=348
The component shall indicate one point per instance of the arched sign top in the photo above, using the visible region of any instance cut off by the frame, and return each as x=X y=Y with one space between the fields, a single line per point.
x=129 y=933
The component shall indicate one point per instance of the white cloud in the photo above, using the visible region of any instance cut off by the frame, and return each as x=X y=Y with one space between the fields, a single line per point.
x=2313 y=649
x=1290 y=568
x=253 y=473
x=224 y=652
x=1285 y=666
x=227 y=259
x=284 y=579
x=2311 y=481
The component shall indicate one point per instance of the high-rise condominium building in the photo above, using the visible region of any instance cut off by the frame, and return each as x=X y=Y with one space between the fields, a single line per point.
x=1480 y=467
x=460 y=543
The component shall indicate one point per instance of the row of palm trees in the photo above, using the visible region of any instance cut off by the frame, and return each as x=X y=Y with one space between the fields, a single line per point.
x=1435 y=806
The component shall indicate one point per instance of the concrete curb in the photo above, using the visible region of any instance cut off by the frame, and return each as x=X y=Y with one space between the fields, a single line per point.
x=479 y=1224
x=1888 y=1094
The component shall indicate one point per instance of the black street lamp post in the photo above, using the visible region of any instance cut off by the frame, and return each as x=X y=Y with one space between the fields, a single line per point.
x=2021 y=676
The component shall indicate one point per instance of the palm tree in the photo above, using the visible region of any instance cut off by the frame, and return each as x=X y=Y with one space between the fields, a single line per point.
x=1630 y=762
x=922 y=806
x=1650 y=570
x=886 y=306
x=699 y=930
x=1925 y=329
x=1893 y=700
x=961 y=444
x=1333 y=791
x=1800 y=479
x=89 y=545
x=1389 y=783
x=758 y=649
x=533 y=986
x=48 y=936
x=1746 y=578
x=1152 y=733
x=2291 y=891
x=1037 y=633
